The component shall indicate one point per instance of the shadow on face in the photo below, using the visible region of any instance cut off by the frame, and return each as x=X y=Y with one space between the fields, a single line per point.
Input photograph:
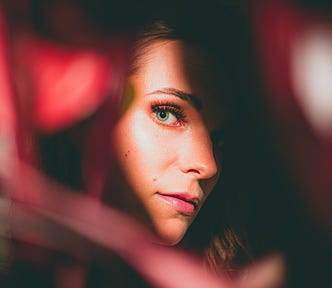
x=162 y=149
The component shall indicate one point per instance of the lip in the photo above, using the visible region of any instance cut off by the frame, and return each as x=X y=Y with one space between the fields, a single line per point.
x=182 y=202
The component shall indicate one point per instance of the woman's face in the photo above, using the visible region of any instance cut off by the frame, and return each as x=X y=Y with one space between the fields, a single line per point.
x=164 y=158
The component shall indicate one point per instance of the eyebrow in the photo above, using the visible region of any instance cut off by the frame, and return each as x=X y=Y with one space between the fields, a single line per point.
x=190 y=98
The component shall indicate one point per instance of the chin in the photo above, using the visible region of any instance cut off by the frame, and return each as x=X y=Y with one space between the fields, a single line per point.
x=171 y=234
x=169 y=241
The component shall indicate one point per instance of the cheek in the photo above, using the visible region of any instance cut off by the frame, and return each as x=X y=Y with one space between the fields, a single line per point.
x=142 y=148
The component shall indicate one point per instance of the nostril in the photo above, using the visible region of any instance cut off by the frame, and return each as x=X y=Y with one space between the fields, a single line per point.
x=196 y=171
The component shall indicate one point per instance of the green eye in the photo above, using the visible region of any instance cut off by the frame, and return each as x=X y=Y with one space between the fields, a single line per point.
x=162 y=115
x=168 y=114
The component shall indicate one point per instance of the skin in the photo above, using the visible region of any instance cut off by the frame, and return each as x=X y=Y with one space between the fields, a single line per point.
x=161 y=150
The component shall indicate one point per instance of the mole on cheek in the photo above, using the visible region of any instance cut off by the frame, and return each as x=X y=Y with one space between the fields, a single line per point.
x=154 y=179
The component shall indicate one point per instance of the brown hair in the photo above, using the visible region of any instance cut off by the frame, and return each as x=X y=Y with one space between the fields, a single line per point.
x=228 y=252
x=157 y=31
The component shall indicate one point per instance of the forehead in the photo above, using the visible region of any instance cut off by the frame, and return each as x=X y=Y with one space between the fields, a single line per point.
x=175 y=64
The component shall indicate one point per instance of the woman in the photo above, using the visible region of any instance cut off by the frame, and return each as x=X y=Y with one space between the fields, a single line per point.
x=164 y=160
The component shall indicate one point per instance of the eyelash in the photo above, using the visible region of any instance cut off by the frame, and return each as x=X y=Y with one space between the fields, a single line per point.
x=176 y=110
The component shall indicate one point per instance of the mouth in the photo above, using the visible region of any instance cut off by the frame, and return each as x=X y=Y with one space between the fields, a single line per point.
x=181 y=202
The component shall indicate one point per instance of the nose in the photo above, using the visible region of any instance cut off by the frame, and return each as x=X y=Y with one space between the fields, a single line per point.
x=197 y=157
